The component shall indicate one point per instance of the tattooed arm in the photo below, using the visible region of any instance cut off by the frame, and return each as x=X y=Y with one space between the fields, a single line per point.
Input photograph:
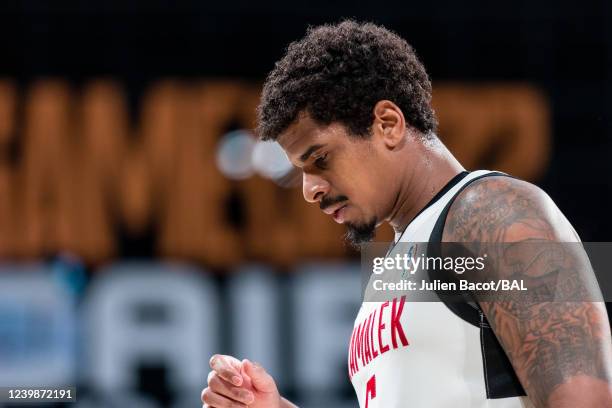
x=560 y=351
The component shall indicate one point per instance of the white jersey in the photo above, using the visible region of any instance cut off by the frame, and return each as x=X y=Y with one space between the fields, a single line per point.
x=421 y=354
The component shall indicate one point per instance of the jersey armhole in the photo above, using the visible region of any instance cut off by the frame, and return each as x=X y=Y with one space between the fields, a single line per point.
x=501 y=380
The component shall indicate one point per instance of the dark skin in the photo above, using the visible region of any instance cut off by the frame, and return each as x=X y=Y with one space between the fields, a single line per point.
x=336 y=164
x=561 y=352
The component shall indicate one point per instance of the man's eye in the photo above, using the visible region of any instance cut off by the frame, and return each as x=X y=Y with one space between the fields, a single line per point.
x=321 y=161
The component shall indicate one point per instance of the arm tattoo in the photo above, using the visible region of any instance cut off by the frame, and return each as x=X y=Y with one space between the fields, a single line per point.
x=547 y=342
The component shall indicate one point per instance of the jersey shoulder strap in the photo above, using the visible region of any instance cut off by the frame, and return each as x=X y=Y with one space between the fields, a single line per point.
x=500 y=377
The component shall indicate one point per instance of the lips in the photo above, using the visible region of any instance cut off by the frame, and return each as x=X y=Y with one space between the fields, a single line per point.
x=337 y=211
x=333 y=208
x=339 y=214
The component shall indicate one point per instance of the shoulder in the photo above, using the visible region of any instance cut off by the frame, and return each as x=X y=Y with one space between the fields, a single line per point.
x=505 y=209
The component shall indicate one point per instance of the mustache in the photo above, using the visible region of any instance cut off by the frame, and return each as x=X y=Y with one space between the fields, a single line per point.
x=327 y=201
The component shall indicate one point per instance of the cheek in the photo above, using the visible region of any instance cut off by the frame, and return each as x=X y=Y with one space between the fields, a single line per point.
x=356 y=177
x=364 y=193
x=374 y=197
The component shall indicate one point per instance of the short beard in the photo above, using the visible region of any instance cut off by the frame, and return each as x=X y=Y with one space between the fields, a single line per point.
x=358 y=234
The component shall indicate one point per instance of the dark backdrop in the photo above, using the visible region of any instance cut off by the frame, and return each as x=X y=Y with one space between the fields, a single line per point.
x=564 y=47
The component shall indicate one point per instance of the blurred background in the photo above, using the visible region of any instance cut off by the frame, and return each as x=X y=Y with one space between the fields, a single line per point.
x=143 y=228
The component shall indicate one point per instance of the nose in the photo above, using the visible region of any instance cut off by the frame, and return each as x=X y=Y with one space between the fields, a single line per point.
x=314 y=187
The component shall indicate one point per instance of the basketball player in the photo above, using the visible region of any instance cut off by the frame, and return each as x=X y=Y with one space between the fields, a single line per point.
x=351 y=106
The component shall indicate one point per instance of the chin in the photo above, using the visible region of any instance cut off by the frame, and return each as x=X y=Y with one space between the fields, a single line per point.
x=360 y=232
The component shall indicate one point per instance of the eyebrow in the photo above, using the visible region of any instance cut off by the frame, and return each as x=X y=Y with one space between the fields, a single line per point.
x=310 y=151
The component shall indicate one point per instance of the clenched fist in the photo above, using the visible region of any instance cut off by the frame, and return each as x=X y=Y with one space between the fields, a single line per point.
x=240 y=384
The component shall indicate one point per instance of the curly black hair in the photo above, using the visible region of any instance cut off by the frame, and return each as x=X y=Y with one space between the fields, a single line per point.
x=338 y=73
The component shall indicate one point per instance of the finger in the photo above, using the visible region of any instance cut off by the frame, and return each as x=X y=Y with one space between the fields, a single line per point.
x=246 y=380
x=215 y=374
x=222 y=387
x=225 y=369
x=261 y=380
x=219 y=401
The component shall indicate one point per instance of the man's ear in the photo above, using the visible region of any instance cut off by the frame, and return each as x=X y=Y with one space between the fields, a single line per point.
x=389 y=124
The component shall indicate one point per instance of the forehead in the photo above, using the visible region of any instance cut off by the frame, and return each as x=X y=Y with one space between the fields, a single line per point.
x=305 y=133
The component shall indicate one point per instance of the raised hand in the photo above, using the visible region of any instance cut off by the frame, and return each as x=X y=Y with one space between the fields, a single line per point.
x=239 y=384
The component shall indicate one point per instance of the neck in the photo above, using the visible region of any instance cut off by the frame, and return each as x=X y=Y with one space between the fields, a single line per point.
x=435 y=168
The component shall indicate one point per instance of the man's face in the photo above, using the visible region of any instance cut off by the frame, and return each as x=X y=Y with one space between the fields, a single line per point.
x=346 y=176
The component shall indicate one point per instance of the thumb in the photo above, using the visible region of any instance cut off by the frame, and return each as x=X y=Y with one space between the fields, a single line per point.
x=260 y=379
